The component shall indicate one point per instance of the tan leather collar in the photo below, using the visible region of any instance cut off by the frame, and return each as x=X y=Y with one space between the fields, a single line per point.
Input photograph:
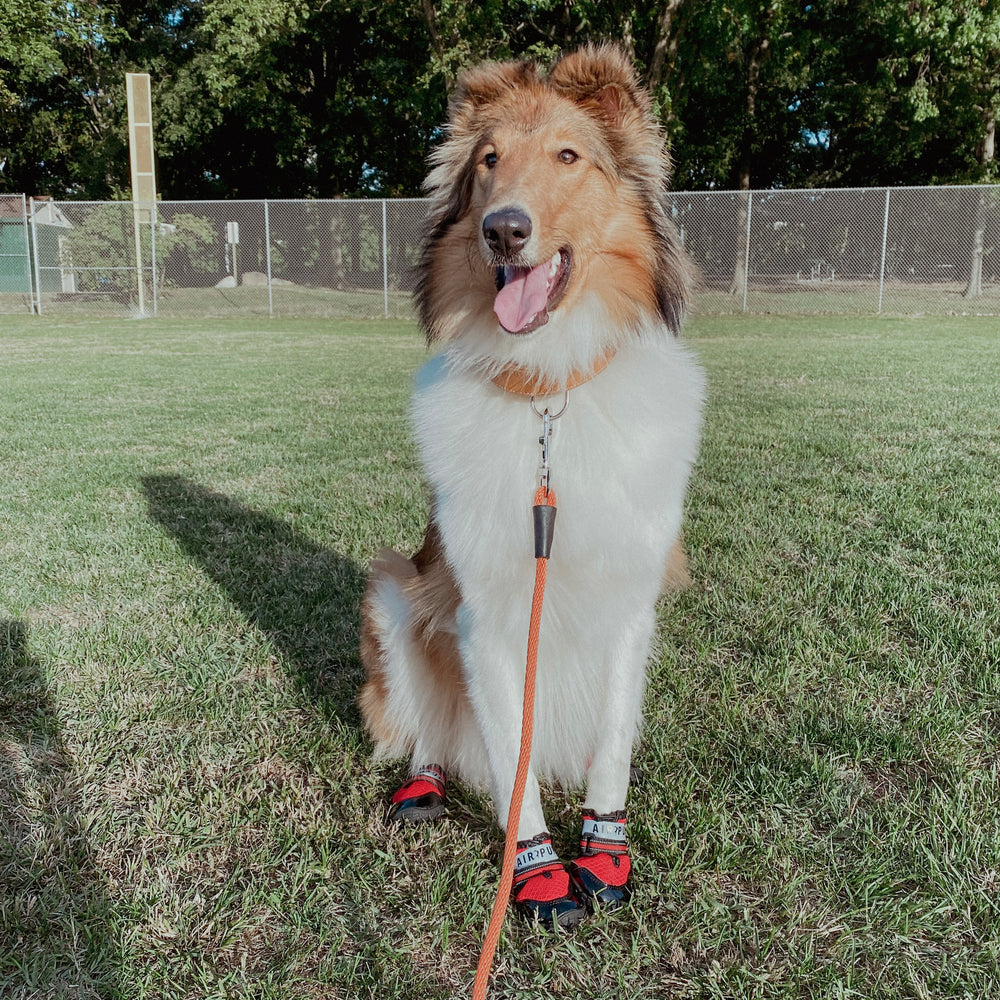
x=525 y=382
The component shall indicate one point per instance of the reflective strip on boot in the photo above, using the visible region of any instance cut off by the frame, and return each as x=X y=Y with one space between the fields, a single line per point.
x=601 y=873
x=538 y=872
x=603 y=834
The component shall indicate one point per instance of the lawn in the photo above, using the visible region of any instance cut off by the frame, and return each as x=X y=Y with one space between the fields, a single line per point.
x=188 y=808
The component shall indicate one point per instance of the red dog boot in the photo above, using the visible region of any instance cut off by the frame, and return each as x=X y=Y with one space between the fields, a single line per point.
x=421 y=798
x=541 y=886
x=601 y=873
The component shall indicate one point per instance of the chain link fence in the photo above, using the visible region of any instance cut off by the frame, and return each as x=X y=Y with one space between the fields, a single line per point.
x=850 y=250
x=864 y=250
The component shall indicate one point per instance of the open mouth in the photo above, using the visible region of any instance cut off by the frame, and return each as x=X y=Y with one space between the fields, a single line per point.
x=526 y=295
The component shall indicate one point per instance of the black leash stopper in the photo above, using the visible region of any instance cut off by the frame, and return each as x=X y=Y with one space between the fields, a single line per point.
x=545 y=521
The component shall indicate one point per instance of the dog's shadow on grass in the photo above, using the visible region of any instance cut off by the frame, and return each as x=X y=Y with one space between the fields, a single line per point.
x=305 y=597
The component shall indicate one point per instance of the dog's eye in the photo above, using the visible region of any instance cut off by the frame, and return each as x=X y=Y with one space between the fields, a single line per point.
x=568 y=156
x=490 y=160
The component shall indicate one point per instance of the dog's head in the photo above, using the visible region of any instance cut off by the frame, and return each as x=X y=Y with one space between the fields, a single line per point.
x=548 y=192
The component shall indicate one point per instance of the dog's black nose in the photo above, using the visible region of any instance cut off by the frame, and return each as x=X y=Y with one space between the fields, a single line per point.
x=506 y=231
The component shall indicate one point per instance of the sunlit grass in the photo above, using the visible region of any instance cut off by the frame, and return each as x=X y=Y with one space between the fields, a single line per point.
x=187 y=804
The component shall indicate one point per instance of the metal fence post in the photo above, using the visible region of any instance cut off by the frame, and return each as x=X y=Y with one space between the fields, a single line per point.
x=140 y=291
x=885 y=240
x=34 y=247
x=746 y=258
x=267 y=259
x=385 y=260
x=152 y=242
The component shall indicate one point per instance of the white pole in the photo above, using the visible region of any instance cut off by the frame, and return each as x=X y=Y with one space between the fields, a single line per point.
x=885 y=238
x=746 y=259
x=267 y=258
x=385 y=260
x=235 y=244
x=34 y=242
x=139 y=102
x=29 y=270
x=138 y=259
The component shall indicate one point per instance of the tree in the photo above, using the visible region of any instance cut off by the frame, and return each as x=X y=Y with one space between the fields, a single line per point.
x=105 y=239
x=26 y=47
x=65 y=117
x=898 y=91
x=291 y=99
x=975 y=69
x=324 y=98
x=48 y=137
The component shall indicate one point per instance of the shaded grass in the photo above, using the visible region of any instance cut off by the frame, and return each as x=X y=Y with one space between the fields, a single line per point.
x=188 y=808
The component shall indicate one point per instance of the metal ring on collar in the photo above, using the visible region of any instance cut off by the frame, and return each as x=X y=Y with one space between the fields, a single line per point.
x=552 y=416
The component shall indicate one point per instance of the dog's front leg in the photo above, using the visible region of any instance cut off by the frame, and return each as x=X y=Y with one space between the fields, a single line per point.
x=601 y=873
x=542 y=889
x=494 y=678
x=618 y=720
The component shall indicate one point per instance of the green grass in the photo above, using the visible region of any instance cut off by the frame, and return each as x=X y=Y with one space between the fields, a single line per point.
x=780 y=298
x=250 y=301
x=844 y=297
x=187 y=805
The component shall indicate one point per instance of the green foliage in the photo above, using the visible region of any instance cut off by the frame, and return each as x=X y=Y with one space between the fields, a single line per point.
x=906 y=91
x=26 y=49
x=105 y=240
x=256 y=98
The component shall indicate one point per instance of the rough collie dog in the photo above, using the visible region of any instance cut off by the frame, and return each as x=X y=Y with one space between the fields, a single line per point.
x=554 y=281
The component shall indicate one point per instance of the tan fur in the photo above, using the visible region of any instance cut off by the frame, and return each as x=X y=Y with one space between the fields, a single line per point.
x=676 y=576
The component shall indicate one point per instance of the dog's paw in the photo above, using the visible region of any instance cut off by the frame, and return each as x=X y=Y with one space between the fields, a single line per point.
x=602 y=880
x=543 y=893
x=421 y=798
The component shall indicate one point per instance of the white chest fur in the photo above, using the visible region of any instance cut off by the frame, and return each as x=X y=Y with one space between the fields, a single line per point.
x=621 y=458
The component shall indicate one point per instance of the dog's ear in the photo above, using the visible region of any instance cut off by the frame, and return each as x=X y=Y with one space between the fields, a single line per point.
x=468 y=119
x=601 y=80
x=483 y=85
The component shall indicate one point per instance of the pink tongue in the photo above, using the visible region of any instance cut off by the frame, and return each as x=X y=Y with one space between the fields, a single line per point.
x=522 y=298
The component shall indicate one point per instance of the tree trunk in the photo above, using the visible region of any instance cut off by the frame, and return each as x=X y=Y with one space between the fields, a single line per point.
x=738 y=285
x=755 y=60
x=974 y=289
x=987 y=151
x=337 y=237
x=430 y=15
x=665 y=47
x=437 y=42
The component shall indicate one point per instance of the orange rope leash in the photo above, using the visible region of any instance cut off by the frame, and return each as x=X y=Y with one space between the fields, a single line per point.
x=542 y=498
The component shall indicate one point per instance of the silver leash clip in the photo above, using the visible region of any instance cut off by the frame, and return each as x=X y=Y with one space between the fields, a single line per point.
x=544 y=470
x=545 y=441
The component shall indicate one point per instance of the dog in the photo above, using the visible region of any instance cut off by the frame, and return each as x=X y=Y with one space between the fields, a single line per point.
x=554 y=283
